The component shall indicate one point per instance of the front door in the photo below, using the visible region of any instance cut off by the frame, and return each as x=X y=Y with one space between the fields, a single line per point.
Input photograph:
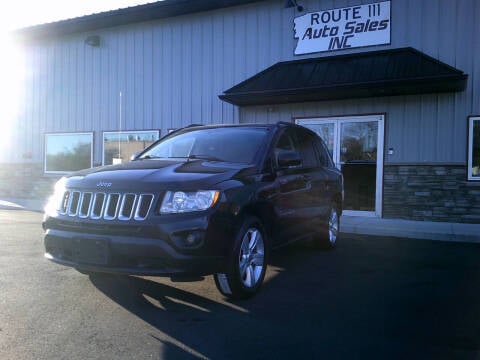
x=356 y=145
x=293 y=194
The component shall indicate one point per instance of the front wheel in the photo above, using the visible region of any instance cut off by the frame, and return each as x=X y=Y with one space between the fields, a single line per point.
x=247 y=262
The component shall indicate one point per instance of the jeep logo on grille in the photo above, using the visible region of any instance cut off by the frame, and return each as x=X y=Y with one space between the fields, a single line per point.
x=104 y=184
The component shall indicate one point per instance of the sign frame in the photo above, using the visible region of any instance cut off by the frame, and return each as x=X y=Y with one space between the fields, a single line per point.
x=343 y=28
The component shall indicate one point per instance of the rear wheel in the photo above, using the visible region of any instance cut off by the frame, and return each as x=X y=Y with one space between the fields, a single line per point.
x=330 y=232
x=333 y=227
x=247 y=263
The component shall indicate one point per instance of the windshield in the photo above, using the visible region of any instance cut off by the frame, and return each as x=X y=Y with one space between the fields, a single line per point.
x=234 y=144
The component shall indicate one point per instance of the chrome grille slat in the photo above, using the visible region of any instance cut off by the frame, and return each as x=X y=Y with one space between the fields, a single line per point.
x=97 y=208
x=145 y=202
x=111 y=208
x=64 y=203
x=107 y=206
x=85 y=205
x=73 y=203
x=127 y=206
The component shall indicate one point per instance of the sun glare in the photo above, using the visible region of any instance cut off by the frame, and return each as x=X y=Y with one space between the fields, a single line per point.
x=11 y=75
x=12 y=82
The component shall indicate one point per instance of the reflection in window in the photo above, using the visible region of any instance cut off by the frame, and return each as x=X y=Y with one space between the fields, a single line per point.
x=223 y=144
x=118 y=147
x=326 y=133
x=359 y=141
x=68 y=152
x=474 y=148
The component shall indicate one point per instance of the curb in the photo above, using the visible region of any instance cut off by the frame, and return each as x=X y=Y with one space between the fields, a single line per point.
x=440 y=231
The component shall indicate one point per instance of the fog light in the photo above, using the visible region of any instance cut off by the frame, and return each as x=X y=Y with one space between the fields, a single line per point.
x=191 y=239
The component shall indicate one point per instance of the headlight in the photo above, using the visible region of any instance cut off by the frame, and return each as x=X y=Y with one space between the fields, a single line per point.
x=180 y=201
x=55 y=200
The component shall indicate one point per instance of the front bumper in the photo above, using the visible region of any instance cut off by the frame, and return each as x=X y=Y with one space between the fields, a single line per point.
x=152 y=249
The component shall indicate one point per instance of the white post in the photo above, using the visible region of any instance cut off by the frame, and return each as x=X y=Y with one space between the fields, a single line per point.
x=118 y=160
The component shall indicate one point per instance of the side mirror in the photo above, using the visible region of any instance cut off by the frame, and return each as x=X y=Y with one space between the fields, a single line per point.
x=288 y=159
x=135 y=156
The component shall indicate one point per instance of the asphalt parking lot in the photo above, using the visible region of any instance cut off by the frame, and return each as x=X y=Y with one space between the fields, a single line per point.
x=371 y=298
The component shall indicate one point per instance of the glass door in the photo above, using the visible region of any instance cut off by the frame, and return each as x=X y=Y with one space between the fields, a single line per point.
x=356 y=145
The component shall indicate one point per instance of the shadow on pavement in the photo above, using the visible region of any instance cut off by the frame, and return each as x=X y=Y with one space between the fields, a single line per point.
x=369 y=298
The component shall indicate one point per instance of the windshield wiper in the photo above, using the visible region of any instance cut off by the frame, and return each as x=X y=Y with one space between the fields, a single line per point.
x=204 y=157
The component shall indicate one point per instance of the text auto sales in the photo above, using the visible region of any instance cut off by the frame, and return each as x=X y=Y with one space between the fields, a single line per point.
x=355 y=24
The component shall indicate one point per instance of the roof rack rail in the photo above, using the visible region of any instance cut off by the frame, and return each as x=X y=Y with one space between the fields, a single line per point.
x=180 y=128
x=285 y=123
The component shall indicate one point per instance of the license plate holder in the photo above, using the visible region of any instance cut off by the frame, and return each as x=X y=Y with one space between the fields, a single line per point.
x=90 y=251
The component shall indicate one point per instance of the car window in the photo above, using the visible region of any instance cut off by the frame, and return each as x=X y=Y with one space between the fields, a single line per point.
x=307 y=149
x=286 y=142
x=323 y=153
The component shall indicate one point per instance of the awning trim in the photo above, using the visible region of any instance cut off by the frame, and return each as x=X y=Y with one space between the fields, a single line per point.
x=406 y=71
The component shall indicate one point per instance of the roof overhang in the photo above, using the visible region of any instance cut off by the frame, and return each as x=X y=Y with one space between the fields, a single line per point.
x=135 y=14
x=391 y=72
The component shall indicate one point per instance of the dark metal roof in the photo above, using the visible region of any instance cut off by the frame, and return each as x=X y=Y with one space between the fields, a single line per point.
x=134 y=14
x=376 y=73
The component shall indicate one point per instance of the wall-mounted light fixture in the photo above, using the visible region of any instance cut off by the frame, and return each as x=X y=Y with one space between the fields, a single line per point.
x=293 y=3
x=93 y=40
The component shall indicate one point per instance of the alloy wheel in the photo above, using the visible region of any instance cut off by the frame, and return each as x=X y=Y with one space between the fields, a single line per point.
x=251 y=258
x=333 y=225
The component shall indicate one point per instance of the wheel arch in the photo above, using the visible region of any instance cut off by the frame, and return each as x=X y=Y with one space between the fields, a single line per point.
x=337 y=199
x=263 y=212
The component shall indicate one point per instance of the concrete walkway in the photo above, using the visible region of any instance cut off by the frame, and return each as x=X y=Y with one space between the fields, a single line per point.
x=349 y=224
x=411 y=229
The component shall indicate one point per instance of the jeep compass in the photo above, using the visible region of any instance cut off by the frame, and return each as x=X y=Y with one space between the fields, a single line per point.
x=203 y=200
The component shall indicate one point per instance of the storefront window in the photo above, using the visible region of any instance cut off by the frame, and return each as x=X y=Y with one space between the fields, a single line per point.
x=68 y=152
x=118 y=147
x=474 y=148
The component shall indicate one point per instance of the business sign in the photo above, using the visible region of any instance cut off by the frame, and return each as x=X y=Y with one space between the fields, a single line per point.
x=345 y=28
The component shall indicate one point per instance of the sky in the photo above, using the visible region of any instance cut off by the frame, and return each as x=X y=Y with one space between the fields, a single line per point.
x=24 y=13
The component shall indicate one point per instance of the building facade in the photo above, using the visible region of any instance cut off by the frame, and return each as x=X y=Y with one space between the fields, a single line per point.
x=393 y=87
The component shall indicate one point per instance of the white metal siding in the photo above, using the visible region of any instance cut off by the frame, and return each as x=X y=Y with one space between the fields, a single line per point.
x=171 y=71
x=428 y=128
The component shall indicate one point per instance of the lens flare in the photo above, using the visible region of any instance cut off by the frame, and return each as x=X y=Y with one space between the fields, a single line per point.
x=12 y=75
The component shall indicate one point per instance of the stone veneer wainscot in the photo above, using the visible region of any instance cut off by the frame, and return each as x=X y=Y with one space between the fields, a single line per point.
x=430 y=193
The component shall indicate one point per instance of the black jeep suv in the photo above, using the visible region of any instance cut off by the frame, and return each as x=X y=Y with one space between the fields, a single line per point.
x=202 y=200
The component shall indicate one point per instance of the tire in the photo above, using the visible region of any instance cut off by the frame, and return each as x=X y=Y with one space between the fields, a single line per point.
x=330 y=232
x=247 y=263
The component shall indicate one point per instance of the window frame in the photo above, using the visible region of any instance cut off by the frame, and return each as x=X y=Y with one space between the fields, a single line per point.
x=471 y=120
x=113 y=132
x=46 y=135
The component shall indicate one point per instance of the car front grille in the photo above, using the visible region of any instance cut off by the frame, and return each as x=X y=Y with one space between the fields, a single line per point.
x=107 y=206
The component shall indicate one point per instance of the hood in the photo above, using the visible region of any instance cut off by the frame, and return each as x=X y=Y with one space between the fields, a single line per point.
x=154 y=175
